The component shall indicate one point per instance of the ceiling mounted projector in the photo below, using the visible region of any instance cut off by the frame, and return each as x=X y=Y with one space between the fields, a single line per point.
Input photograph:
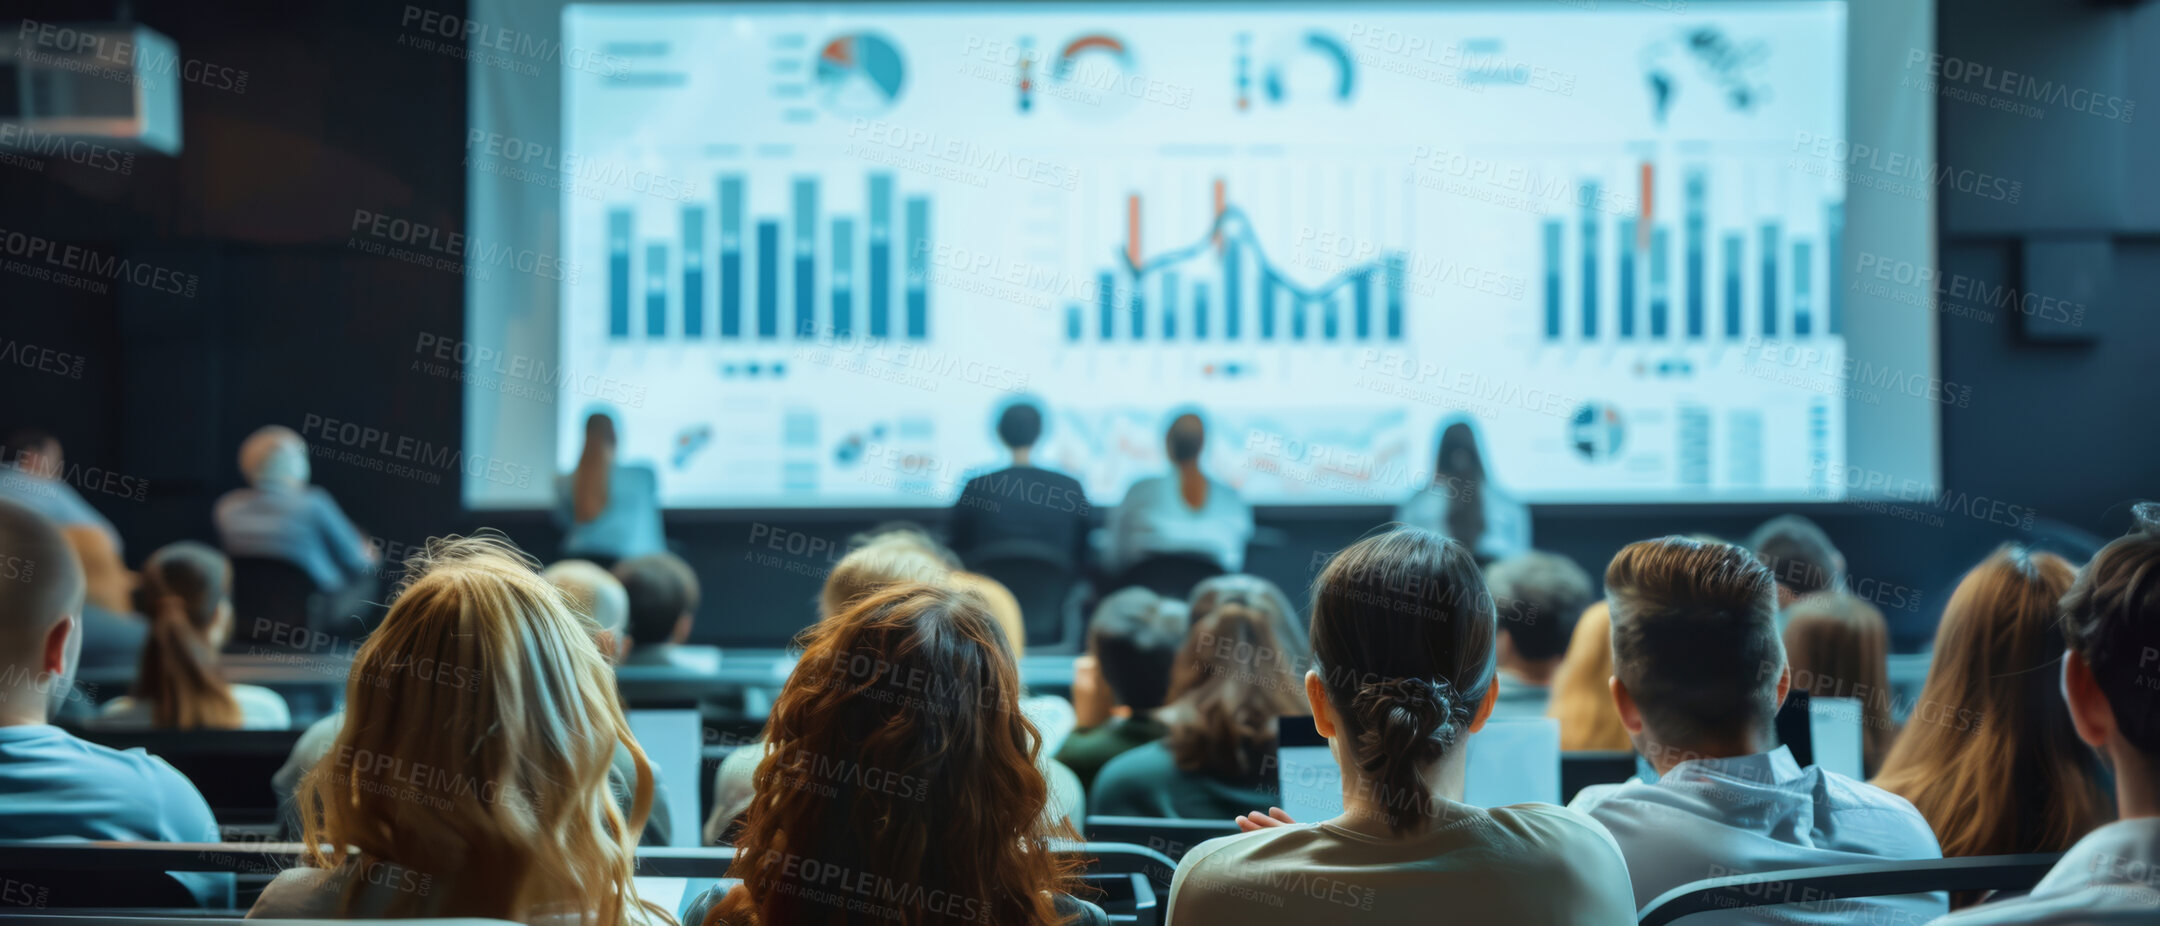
x=116 y=84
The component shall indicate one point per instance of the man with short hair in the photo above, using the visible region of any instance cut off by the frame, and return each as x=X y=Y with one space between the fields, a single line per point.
x=1698 y=675
x=36 y=478
x=53 y=785
x=1022 y=504
x=663 y=592
x=1800 y=556
x=1123 y=679
x=2111 y=680
x=1538 y=596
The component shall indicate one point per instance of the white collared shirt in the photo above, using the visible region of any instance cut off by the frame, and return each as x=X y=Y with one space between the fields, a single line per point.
x=1714 y=818
x=2111 y=876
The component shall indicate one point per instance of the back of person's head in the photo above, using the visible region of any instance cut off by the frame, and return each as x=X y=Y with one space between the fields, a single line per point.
x=1538 y=596
x=906 y=532
x=1459 y=471
x=1695 y=640
x=1990 y=757
x=480 y=725
x=1230 y=682
x=186 y=591
x=900 y=754
x=1403 y=632
x=663 y=593
x=2112 y=619
x=1135 y=636
x=600 y=431
x=875 y=565
x=43 y=590
x=597 y=597
x=34 y=450
x=999 y=601
x=274 y=455
x=1261 y=597
x=1186 y=438
x=1581 y=697
x=1800 y=555
x=1838 y=646
x=1020 y=425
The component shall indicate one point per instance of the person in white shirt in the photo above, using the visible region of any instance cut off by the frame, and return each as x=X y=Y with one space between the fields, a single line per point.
x=1186 y=512
x=187 y=591
x=1402 y=633
x=1698 y=674
x=2111 y=680
x=1464 y=503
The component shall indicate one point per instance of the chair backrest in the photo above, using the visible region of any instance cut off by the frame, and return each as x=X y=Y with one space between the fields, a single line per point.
x=1041 y=578
x=143 y=890
x=232 y=768
x=1796 y=727
x=272 y=597
x=1126 y=898
x=1579 y=770
x=671 y=740
x=1170 y=837
x=1171 y=575
x=1828 y=887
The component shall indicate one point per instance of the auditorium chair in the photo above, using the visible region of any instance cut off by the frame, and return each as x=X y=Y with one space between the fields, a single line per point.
x=1581 y=769
x=1821 y=887
x=1170 y=836
x=232 y=768
x=1171 y=575
x=1043 y=578
x=272 y=599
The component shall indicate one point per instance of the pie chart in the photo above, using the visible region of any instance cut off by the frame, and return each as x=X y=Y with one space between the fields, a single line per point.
x=859 y=74
x=1596 y=431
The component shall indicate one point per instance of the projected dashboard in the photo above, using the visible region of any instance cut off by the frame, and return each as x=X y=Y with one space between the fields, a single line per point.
x=866 y=228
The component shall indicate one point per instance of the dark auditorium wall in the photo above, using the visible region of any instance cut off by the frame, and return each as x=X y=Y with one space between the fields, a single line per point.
x=288 y=322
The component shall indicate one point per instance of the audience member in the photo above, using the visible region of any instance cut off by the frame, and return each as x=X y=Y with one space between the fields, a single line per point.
x=1121 y=682
x=1464 y=504
x=2111 y=680
x=1800 y=556
x=37 y=479
x=1052 y=715
x=186 y=589
x=472 y=778
x=911 y=687
x=597 y=601
x=597 y=597
x=1186 y=512
x=663 y=592
x=1581 y=697
x=1838 y=646
x=281 y=517
x=56 y=786
x=1990 y=756
x=1403 y=636
x=609 y=510
x=1699 y=672
x=1022 y=503
x=1232 y=680
x=1538 y=595
x=1260 y=596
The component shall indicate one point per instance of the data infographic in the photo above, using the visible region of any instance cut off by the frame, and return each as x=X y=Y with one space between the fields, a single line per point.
x=1329 y=230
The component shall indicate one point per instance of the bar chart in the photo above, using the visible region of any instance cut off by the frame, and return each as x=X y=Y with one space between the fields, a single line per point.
x=773 y=282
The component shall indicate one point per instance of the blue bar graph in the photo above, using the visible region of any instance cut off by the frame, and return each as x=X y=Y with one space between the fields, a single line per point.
x=1589 y=259
x=1299 y=308
x=1332 y=327
x=1626 y=246
x=1553 y=231
x=731 y=217
x=1232 y=283
x=1834 y=251
x=1106 y=301
x=1660 y=286
x=1361 y=311
x=805 y=257
x=693 y=272
x=656 y=290
x=1803 y=286
x=618 y=222
x=1267 y=305
x=1169 y=305
x=880 y=255
x=918 y=268
x=1072 y=323
x=843 y=278
x=1394 y=296
x=1734 y=244
x=1769 y=280
x=1138 y=309
x=768 y=279
x=1696 y=225
x=1199 y=312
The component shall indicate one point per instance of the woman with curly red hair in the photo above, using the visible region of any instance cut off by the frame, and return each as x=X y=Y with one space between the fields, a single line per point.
x=901 y=784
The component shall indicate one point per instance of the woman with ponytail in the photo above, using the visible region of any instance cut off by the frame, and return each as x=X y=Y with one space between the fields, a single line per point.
x=185 y=590
x=1402 y=632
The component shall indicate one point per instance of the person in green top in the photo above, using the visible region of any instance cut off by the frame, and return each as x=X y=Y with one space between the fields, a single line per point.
x=1123 y=678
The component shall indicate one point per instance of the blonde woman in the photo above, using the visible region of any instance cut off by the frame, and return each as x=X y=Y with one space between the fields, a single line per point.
x=470 y=778
x=1582 y=688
